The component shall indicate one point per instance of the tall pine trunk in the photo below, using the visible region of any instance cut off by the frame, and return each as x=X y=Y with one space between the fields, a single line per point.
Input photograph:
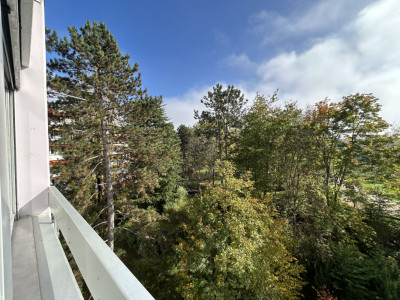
x=109 y=189
x=99 y=186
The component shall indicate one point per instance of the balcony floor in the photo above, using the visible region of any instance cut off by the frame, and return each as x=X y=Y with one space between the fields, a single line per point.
x=25 y=270
x=40 y=268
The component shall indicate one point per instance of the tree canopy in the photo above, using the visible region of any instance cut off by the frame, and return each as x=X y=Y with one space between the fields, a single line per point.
x=269 y=201
x=118 y=142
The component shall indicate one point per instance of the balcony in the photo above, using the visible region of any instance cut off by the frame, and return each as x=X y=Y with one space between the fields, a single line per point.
x=42 y=269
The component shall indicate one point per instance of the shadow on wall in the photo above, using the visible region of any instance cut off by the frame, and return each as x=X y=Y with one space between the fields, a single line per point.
x=36 y=205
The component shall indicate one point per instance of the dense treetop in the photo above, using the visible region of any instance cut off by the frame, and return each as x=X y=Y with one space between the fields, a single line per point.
x=268 y=202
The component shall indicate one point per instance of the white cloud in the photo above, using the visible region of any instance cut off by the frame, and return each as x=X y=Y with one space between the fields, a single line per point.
x=180 y=109
x=325 y=69
x=363 y=55
x=322 y=18
x=240 y=61
x=365 y=59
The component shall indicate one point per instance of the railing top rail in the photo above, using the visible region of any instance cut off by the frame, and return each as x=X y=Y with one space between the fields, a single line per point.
x=104 y=273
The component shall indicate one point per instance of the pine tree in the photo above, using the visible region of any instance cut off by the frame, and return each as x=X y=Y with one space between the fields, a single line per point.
x=118 y=143
x=223 y=117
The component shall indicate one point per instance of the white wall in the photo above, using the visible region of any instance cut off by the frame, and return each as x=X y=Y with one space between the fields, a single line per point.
x=5 y=234
x=31 y=125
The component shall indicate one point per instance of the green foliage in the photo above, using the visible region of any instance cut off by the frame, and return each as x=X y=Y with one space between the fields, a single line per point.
x=146 y=243
x=382 y=173
x=308 y=162
x=152 y=175
x=379 y=215
x=223 y=117
x=101 y=83
x=184 y=133
x=354 y=275
x=233 y=247
x=312 y=188
x=142 y=145
x=343 y=132
x=272 y=145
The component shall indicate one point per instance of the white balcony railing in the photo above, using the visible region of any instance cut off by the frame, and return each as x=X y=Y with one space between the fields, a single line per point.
x=105 y=275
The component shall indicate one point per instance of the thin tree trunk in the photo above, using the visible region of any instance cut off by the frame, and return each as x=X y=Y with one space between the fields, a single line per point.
x=109 y=189
x=99 y=189
x=327 y=174
x=226 y=141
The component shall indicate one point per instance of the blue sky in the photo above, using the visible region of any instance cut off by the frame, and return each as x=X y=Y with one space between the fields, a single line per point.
x=307 y=49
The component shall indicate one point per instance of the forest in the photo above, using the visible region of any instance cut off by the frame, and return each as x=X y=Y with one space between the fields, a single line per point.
x=260 y=199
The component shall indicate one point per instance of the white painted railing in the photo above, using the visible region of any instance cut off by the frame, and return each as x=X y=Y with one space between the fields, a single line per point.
x=105 y=275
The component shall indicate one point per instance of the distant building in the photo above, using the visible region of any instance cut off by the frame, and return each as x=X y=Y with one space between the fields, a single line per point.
x=56 y=120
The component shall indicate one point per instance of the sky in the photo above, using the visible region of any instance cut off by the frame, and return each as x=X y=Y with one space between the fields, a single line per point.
x=308 y=50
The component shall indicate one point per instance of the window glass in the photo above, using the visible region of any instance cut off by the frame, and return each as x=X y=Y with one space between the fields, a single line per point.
x=10 y=129
x=9 y=99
